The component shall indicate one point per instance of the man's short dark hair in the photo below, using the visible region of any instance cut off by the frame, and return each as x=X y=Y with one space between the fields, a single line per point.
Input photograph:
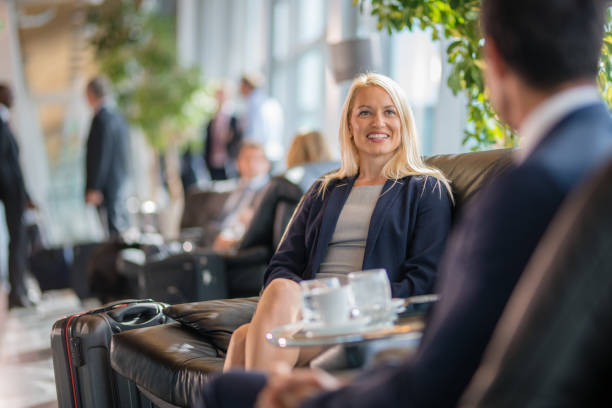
x=99 y=86
x=6 y=95
x=547 y=42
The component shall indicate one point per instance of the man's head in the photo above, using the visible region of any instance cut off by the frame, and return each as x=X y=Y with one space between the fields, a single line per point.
x=252 y=161
x=249 y=82
x=97 y=90
x=6 y=95
x=544 y=44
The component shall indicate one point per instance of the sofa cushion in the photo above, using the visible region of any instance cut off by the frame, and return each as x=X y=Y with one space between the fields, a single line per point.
x=214 y=320
x=170 y=361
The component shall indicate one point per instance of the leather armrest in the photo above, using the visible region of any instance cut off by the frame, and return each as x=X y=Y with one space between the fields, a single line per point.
x=215 y=319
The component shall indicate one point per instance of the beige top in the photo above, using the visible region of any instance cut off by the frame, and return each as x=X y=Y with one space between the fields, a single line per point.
x=347 y=245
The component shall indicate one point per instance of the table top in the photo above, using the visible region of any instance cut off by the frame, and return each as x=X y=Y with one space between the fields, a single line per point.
x=298 y=335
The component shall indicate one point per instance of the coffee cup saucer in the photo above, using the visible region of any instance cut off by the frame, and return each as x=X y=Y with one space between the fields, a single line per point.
x=398 y=305
x=357 y=324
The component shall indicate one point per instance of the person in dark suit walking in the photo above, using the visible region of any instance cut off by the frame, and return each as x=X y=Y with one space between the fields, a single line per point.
x=222 y=140
x=107 y=159
x=542 y=60
x=15 y=199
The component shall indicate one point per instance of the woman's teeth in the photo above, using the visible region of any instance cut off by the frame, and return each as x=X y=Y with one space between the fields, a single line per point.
x=377 y=136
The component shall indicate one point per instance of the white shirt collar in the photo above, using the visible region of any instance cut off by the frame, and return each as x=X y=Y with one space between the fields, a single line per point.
x=545 y=116
x=5 y=114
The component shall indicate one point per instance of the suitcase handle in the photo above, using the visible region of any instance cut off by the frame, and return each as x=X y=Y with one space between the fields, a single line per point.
x=143 y=312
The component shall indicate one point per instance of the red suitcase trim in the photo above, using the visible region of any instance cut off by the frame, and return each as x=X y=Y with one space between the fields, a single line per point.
x=76 y=405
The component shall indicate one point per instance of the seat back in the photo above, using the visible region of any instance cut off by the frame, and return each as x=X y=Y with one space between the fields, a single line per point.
x=552 y=345
x=279 y=194
x=202 y=207
x=468 y=172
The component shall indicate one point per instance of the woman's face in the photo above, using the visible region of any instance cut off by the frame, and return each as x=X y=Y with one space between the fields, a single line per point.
x=374 y=124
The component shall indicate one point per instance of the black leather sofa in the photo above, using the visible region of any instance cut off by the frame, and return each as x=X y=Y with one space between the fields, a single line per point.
x=171 y=363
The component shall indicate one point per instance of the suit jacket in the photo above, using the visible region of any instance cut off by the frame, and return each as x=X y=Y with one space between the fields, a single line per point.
x=486 y=255
x=406 y=236
x=12 y=186
x=107 y=153
x=232 y=147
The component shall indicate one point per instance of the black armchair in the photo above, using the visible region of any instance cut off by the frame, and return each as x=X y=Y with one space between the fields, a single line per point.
x=245 y=268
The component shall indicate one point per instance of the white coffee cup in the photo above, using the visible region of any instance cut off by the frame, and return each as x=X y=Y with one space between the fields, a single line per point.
x=372 y=293
x=326 y=301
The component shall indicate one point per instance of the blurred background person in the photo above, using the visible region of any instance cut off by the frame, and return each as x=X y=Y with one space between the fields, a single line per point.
x=308 y=158
x=222 y=139
x=254 y=168
x=263 y=120
x=107 y=159
x=15 y=199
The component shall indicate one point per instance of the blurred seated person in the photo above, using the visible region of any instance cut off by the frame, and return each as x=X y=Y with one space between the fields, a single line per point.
x=308 y=158
x=384 y=208
x=253 y=168
x=222 y=139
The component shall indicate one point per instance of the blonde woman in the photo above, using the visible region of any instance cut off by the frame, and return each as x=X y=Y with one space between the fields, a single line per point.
x=384 y=208
x=308 y=147
x=308 y=159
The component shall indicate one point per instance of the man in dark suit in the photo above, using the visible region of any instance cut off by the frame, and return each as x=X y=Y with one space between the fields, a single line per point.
x=222 y=140
x=542 y=60
x=107 y=159
x=14 y=197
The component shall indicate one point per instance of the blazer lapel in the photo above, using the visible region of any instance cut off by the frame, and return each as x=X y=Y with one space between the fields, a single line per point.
x=388 y=195
x=337 y=197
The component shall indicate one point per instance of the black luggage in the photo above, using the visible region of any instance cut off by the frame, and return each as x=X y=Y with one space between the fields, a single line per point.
x=82 y=257
x=185 y=277
x=80 y=345
x=105 y=281
x=51 y=267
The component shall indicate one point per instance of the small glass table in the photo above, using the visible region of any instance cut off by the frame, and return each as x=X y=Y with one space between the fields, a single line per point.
x=408 y=325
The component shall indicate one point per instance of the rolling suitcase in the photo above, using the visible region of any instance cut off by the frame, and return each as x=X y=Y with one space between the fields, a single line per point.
x=81 y=258
x=185 y=277
x=51 y=267
x=81 y=363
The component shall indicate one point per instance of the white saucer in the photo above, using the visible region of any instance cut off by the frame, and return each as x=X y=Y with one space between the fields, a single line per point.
x=358 y=324
x=397 y=305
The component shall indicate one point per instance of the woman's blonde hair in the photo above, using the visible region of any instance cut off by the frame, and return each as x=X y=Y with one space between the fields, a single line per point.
x=308 y=147
x=407 y=159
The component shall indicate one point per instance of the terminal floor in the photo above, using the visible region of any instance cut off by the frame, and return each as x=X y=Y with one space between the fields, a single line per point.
x=26 y=367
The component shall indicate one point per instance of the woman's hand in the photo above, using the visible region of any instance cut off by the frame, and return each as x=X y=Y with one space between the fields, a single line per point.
x=290 y=389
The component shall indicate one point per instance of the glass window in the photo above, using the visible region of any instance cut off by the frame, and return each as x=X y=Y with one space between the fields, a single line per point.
x=280 y=39
x=311 y=20
x=310 y=80
x=280 y=86
x=417 y=67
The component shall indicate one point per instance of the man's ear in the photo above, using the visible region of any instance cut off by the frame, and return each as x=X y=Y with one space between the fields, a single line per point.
x=495 y=61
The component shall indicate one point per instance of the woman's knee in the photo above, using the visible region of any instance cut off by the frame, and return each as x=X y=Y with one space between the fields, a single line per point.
x=239 y=335
x=283 y=290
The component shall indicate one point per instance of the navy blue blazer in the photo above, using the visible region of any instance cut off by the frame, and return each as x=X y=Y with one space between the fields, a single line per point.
x=407 y=233
x=12 y=186
x=107 y=156
x=485 y=257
